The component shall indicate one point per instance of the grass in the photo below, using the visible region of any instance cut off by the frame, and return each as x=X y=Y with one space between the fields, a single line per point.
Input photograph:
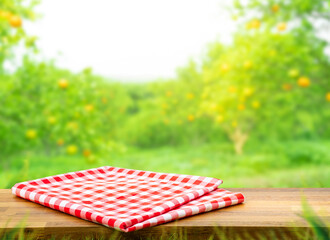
x=289 y=164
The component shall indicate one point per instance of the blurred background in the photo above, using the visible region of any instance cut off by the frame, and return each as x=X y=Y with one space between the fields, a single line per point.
x=237 y=90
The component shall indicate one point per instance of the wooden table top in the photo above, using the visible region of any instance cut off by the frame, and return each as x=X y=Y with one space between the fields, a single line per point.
x=265 y=209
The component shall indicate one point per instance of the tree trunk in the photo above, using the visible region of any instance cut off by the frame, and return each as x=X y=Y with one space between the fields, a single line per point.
x=239 y=139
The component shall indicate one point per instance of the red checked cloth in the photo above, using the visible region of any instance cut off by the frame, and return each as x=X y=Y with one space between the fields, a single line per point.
x=127 y=199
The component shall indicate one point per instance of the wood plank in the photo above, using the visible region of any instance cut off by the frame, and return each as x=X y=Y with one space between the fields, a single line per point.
x=266 y=211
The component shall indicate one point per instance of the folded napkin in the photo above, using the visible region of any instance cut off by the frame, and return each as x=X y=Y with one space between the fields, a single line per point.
x=127 y=199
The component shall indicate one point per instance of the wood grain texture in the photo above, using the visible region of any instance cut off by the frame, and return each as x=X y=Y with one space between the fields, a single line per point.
x=265 y=211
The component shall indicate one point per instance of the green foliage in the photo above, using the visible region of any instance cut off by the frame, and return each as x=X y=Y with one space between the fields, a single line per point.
x=265 y=164
x=13 y=15
x=265 y=85
x=319 y=227
x=270 y=85
x=56 y=111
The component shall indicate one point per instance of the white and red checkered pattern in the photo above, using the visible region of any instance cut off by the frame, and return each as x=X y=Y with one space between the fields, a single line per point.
x=127 y=199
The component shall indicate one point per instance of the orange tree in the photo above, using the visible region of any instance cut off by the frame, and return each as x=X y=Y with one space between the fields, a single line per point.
x=272 y=82
x=13 y=15
x=51 y=110
x=166 y=112
x=57 y=112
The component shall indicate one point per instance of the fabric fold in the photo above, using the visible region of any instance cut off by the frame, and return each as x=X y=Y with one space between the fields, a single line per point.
x=127 y=199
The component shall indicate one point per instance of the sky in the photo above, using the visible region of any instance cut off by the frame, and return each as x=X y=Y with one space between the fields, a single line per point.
x=129 y=40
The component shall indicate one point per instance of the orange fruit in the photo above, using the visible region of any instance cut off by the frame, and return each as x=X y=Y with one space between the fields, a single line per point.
x=272 y=53
x=255 y=23
x=327 y=96
x=255 y=104
x=51 y=120
x=15 y=21
x=72 y=126
x=219 y=119
x=104 y=100
x=275 y=8
x=241 y=107
x=71 y=149
x=213 y=106
x=191 y=117
x=293 y=73
x=232 y=89
x=281 y=27
x=60 y=142
x=304 y=82
x=168 y=94
x=247 y=91
x=224 y=67
x=248 y=26
x=286 y=87
x=86 y=153
x=5 y=15
x=31 y=134
x=63 y=83
x=165 y=106
x=190 y=96
x=247 y=64
x=89 y=107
